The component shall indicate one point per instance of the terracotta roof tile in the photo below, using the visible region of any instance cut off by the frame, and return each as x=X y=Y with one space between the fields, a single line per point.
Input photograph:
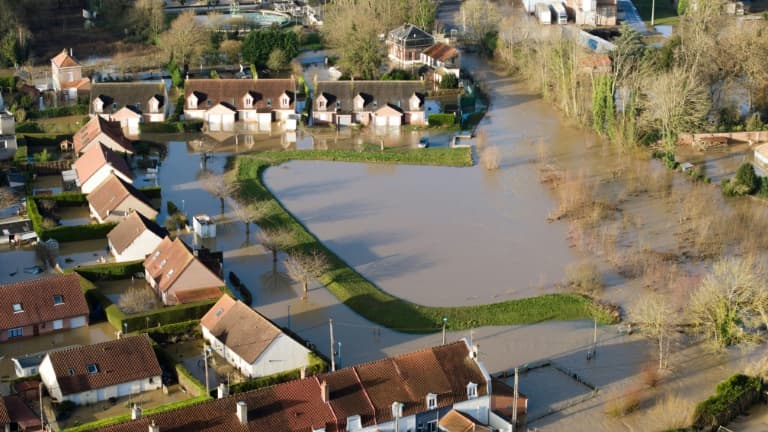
x=137 y=94
x=441 y=52
x=110 y=193
x=456 y=421
x=231 y=92
x=298 y=406
x=4 y=417
x=130 y=228
x=94 y=128
x=63 y=59
x=36 y=298
x=242 y=329
x=118 y=361
x=97 y=156
x=81 y=84
x=169 y=254
x=20 y=413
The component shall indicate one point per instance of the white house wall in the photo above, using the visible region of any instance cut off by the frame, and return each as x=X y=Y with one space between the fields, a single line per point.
x=99 y=176
x=48 y=376
x=478 y=408
x=142 y=246
x=282 y=354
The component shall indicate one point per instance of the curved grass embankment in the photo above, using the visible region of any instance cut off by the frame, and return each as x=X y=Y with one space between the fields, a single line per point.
x=364 y=297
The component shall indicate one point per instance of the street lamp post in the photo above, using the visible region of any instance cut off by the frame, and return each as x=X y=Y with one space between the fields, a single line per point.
x=339 y=365
x=445 y=323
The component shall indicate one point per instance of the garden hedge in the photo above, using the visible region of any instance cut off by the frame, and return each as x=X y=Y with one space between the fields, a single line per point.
x=732 y=397
x=316 y=366
x=42 y=140
x=110 y=271
x=58 y=112
x=441 y=119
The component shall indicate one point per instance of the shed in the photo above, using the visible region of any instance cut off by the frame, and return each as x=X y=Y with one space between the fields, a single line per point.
x=204 y=226
x=761 y=154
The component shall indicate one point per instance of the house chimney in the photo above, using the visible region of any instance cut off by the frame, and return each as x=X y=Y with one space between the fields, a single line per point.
x=222 y=391
x=303 y=372
x=70 y=52
x=153 y=427
x=242 y=412
x=325 y=395
x=475 y=350
x=135 y=412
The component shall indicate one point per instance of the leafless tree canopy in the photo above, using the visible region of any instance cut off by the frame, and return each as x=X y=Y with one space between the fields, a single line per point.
x=274 y=239
x=185 y=40
x=656 y=317
x=303 y=267
x=218 y=186
x=250 y=213
x=138 y=299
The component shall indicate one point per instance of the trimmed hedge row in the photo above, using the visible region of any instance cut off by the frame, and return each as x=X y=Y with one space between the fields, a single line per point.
x=732 y=397
x=110 y=271
x=163 y=333
x=172 y=127
x=316 y=366
x=76 y=233
x=59 y=112
x=42 y=140
x=245 y=293
x=441 y=119
x=160 y=317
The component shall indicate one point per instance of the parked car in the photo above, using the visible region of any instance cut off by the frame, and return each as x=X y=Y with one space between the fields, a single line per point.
x=424 y=142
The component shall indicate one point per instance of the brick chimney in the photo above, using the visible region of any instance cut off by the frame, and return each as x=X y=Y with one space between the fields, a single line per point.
x=242 y=412
x=153 y=427
x=135 y=412
x=325 y=395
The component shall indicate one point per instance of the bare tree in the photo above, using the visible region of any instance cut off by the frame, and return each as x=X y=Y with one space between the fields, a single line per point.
x=274 y=239
x=218 y=186
x=728 y=299
x=478 y=18
x=249 y=213
x=149 y=16
x=185 y=40
x=302 y=267
x=656 y=316
x=138 y=299
x=7 y=197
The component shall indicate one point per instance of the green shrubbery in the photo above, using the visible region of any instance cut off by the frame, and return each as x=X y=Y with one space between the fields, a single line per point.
x=245 y=293
x=62 y=111
x=316 y=366
x=181 y=330
x=29 y=127
x=746 y=182
x=732 y=397
x=165 y=315
x=437 y=120
x=42 y=140
x=110 y=271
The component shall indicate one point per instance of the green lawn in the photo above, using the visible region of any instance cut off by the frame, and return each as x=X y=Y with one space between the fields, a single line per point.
x=666 y=11
x=365 y=298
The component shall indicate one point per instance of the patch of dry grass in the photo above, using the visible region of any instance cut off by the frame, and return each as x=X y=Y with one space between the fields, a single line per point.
x=624 y=402
x=490 y=158
x=672 y=412
x=583 y=278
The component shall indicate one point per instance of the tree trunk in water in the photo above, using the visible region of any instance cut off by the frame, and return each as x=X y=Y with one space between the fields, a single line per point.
x=661 y=351
x=221 y=199
x=306 y=290
x=247 y=229
x=274 y=257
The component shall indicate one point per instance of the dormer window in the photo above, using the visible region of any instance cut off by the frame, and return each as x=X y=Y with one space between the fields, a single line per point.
x=285 y=101
x=17 y=307
x=114 y=105
x=154 y=105
x=248 y=101
x=359 y=103
x=375 y=104
x=321 y=104
x=163 y=263
x=156 y=254
x=431 y=401
x=338 y=104
x=471 y=390
x=71 y=372
x=192 y=101
x=415 y=102
x=269 y=102
x=170 y=272
x=210 y=102
x=219 y=311
x=98 y=105
x=138 y=106
x=58 y=299
x=92 y=368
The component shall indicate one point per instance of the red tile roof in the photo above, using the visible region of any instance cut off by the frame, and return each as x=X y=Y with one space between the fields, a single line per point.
x=169 y=255
x=4 y=417
x=359 y=390
x=456 y=421
x=231 y=92
x=36 y=298
x=130 y=228
x=95 y=127
x=108 y=195
x=21 y=414
x=119 y=361
x=63 y=59
x=81 y=84
x=441 y=52
x=96 y=157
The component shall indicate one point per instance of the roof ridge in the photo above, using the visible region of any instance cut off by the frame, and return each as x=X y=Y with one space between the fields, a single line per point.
x=365 y=393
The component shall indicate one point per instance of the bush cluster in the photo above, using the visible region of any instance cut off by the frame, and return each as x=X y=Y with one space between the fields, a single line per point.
x=62 y=111
x=245 y=293
x=441 y=119
x=732 y=397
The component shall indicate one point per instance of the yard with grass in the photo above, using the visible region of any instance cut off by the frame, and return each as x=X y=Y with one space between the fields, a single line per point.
x=365 y=298
x=665 y=14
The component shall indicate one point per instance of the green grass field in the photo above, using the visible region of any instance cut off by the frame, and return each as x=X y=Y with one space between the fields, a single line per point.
x=666 y=12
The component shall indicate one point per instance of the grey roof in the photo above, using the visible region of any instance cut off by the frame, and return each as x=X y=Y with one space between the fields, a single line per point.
x=376 y=94
x=412 y=36
x=134 y=95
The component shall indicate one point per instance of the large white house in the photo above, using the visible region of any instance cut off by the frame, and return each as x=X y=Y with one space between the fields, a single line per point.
x=249 y=341
x=94 y=373
x=134 y=238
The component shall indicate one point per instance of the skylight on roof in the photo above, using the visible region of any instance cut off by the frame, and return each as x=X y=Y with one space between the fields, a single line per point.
x=92 y=368
x=17 y=307
x=58 y=299
x=71 y=372
x=219 y=312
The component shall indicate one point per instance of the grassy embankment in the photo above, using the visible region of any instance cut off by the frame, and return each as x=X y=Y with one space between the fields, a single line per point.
x=367 y=299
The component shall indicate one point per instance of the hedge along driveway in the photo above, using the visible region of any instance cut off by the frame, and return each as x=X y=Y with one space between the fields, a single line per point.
x=368 y=300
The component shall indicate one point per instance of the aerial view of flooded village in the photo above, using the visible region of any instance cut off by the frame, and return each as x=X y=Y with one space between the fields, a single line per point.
x=386 y=215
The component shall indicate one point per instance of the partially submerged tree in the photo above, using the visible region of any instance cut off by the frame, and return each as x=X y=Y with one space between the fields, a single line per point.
x=218 y=186
x=249 y=213
x=303 y=267
x=478 y=18
x=656 y=318
x=728 y=299
x=274 y=239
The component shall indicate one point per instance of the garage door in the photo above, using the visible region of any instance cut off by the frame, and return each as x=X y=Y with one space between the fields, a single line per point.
x=58 y=324
x=381 y=121
x=214 y=122
x=394 y=120
x=77 y=322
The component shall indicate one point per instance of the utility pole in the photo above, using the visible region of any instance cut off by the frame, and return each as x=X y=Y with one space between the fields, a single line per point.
x=333 y=357
x=514 y=403
x=653 y=11
x=445 y=322
x=594 y=340
x=205 y=366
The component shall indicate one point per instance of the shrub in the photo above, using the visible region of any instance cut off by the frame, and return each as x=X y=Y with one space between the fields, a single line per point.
x=441 y=119
x=174 y=332
x=138 y=299
x=167 y=315
x=316 y=366
x=583 y=278
x=28 y=127
x=732 y=397
x=21 y=154
x=110 y=271
x=449 y=81
x=754 y=122
x=75 y=233
x=746 y=176
x=59 y=112
x=397 y=75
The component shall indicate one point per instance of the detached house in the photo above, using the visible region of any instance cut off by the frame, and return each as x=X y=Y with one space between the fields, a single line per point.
x=130 y=103
x=67 y=76
x=222 y=102
x=97 y=164
x=40 y=306
x=249 y=341
x=98 y=372
x=406 y=43
x=379 y=103
x=443 y=59
x=178 y=276
x=134 y=238
x=99 y=130
x=8 y=143
x=114 y=199
x=411 y=392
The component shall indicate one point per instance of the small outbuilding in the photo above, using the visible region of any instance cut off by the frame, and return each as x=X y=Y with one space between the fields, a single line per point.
x=204 y=226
